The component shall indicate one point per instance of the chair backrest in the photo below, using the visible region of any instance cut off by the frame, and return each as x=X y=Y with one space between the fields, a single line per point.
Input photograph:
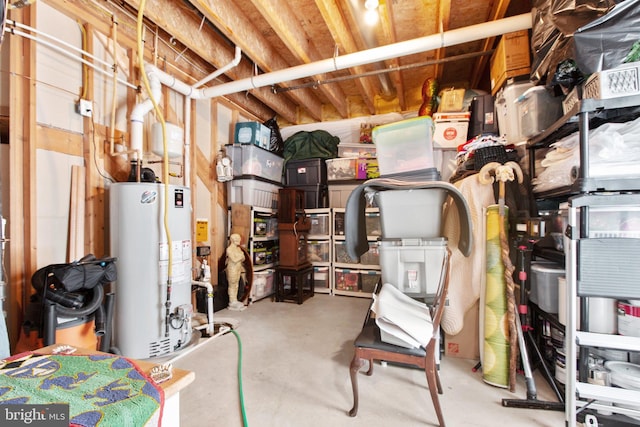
x=440 y=299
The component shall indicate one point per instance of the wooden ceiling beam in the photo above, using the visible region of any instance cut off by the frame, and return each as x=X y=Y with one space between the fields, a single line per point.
x=231 y=22
x=285 y=24
x=342 y=35
x=498 y=12
x=389 y=36
x=444 y=19
x=184 y=25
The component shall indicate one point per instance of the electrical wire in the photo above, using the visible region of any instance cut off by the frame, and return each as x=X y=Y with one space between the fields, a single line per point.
x=240 y=388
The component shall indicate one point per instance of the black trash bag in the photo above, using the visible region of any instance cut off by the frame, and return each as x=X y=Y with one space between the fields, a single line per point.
x=552 y=36
x=276 y=144
x=566 y=77
x=606 y=42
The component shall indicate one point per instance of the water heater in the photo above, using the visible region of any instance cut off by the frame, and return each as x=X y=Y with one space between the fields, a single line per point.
x=151 y=318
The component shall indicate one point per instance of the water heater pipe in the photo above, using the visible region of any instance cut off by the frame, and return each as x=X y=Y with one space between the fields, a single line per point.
x=395 y=50
x=141 y=109
x=224 y=69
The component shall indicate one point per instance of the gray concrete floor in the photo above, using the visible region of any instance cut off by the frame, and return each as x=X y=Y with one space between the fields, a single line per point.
x=295 y=372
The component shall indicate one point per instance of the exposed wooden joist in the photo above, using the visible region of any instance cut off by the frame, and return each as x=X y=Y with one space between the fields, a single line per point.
x=444 y=18
x=230 y=20
x=343 y=37
x=498 y=12
x=22 y=169
x=389 y=37
x=184 y=26
x=279 y=15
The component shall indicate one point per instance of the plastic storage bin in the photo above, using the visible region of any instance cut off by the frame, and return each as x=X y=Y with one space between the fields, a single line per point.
x=305 y=172
x=404 y=146
x=537 y=110
x=318 y=250
x=263 y=283
x=264 y=225
x=339 y=194
x=253 y=160
x=342 y=168
x=254 y=133
x=315 y=195
x=544 y=285
x=321 y=278
x=372 y=223
x=356 y=150
x=507 y=111
x=369 y=279
x=346 y=280
x=371 y=257
x=251 y=190
x=411 y=213
x=414 y=266
x=320 y=225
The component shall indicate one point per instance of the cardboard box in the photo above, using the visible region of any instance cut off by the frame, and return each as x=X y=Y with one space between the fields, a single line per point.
x=450 y=129
x=451 y=100
x=466 y=343
x=511 y=58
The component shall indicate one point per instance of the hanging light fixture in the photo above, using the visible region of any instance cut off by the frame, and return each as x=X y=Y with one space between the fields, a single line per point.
x=371 y=12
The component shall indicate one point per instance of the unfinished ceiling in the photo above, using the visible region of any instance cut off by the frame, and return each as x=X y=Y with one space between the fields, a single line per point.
x=277 y=35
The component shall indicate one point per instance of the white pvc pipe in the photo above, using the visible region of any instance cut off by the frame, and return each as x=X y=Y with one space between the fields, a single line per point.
x=141 y=109
x=395 y=50
x=57 y=40
x=69 y=54
x=209 y=287
x=219 y=71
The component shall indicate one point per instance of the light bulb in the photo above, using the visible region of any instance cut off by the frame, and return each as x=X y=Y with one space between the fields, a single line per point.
x=371 y=4
x=371 y=17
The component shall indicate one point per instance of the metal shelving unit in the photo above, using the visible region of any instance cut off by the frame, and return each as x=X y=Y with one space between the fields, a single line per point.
x=601 y=267
x=596 y=265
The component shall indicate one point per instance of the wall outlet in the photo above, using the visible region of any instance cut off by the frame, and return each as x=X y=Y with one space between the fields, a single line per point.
x=84 y=107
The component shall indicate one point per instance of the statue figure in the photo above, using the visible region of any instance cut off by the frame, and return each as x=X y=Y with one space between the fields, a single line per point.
x=235 y=270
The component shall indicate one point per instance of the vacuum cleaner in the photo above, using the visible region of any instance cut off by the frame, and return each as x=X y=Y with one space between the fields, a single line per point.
x=71 y=300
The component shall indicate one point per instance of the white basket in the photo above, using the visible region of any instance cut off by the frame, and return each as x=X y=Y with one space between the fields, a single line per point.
x=613 y=83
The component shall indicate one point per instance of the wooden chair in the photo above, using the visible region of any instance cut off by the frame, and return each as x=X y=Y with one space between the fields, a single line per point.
x=369 y=346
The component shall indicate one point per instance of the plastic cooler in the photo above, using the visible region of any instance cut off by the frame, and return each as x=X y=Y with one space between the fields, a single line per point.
x=414 y=266
x=404 y=146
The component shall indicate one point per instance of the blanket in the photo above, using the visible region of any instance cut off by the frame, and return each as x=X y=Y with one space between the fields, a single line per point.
x=464 y=278
x=101 y=390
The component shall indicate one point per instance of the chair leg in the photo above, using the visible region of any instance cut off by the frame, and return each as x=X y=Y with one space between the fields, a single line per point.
x=433 y=380
x=354 y=368
x=370 y=370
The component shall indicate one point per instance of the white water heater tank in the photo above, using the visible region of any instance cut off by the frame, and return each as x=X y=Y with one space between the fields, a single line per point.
x=142 y=328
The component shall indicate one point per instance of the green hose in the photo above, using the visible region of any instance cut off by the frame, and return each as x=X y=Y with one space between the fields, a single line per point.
x=240 y=391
